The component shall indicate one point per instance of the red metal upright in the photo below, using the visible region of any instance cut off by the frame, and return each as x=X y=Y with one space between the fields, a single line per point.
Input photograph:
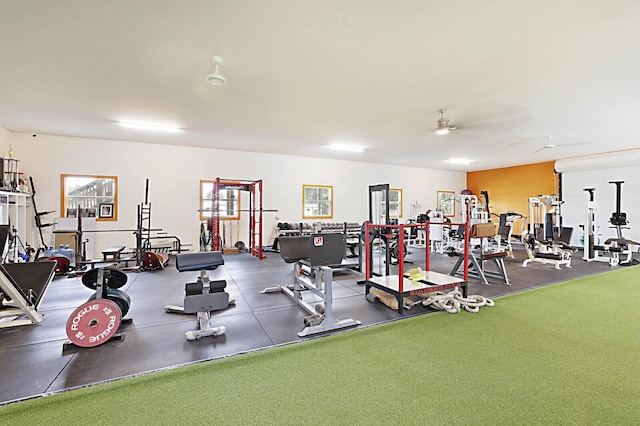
x=216 y=240
x=256 y=219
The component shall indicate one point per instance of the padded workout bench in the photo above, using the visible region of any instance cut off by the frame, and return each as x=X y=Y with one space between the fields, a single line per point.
x=203 y=296
x=317 y=252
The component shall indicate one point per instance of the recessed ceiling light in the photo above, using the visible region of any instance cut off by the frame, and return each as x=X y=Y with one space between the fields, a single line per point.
x=459 y=161
x=343 y=147
x=150 y=127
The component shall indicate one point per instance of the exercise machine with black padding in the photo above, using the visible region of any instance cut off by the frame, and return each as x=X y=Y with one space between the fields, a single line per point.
x=311 y=256
x=554 y=252
x=613 y=251
x=22 y=288
x=98 y=320
x=545 y=217
x=203 y=296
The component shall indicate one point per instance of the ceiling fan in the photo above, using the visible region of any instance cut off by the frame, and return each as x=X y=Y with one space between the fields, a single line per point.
x=549 y=144
x=442 y=124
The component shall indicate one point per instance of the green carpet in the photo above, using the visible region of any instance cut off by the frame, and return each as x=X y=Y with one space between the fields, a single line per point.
x=563 y=354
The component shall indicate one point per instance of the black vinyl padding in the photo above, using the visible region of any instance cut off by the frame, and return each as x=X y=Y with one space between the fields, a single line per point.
x=198 y=261
x=196 y=288
x=30 y=278
x=319 y=249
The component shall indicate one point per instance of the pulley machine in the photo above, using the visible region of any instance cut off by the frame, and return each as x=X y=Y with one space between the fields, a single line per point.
x=545 y=217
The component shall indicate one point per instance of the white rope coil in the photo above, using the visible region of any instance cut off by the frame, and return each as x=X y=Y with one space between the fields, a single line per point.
x=453 y=301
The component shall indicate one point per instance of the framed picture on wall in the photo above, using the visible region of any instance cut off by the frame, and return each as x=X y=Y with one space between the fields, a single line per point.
x=105 y=210
x=446 y=203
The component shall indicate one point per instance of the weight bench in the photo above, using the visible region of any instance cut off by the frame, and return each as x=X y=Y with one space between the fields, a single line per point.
x=317 y=252
x=112 y=253
x=203 y=296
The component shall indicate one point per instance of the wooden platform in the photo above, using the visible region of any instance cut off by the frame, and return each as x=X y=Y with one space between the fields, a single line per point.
x=432 y=282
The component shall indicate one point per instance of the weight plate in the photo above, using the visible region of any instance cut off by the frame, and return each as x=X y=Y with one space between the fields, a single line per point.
x=113 y=278
x=93 y=323
x=118 y=297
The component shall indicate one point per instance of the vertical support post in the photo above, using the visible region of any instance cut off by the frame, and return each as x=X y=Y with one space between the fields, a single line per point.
x=215 y=217
x=427 y=242
x=367 y=242
x=466 y=250
x=401 y=258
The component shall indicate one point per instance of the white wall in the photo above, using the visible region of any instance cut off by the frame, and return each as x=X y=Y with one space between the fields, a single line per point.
x=576 y=200
x=174 y=173
x=5 y=140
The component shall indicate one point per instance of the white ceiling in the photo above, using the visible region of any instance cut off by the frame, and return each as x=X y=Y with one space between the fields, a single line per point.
x=302 y=74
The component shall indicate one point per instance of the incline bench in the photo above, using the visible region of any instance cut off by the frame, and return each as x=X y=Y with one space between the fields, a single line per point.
x=204 y=295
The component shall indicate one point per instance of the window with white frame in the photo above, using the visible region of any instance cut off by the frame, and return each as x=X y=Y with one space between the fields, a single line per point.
x=228 y=205
x=317 y=202
x=395 y=203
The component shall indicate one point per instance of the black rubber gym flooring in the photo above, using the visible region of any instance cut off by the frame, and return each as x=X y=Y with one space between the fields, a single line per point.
x=34 y=363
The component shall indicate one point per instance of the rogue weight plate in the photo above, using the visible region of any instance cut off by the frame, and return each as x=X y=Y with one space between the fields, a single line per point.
x=113 y=278
x=118 y=297
x=93 y=323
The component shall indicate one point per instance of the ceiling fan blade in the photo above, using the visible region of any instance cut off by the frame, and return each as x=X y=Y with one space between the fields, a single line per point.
x=574 y=144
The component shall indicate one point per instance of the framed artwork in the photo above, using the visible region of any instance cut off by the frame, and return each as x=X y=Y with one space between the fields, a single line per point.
x=105 y=210
x=446 y=203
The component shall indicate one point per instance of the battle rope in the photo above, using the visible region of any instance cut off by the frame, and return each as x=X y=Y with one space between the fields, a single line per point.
x=453 y=301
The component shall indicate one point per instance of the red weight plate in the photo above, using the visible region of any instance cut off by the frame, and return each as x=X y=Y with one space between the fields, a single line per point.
x=93 y=323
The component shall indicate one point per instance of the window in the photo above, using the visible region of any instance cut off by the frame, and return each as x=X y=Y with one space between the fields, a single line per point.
x=317 y=202
x=395 y=203
x=446 y=203
x=89 y=196
x=228 y=206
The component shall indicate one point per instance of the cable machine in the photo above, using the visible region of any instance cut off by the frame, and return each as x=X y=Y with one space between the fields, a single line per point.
x=378 y=215
x=545 y=217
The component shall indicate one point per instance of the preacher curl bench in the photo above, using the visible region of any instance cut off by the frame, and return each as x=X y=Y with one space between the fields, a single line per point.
x=204 y=295
x=312 y=257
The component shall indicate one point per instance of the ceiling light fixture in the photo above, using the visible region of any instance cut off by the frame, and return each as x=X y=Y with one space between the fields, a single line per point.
x=151 y=127
x=349 y=148
x=459 y=161
x=215 y=78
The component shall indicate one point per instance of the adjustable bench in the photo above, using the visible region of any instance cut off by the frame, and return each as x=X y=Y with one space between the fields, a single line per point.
x=203 y=296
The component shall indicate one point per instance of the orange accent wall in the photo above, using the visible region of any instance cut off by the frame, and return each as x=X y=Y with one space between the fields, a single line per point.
x=510 y=187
